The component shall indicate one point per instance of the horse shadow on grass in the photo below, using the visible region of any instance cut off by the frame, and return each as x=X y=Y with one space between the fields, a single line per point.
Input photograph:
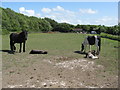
x=80 y=52
x=8 y=51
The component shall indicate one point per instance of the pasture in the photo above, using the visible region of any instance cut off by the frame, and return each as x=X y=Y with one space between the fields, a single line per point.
x=61 y=67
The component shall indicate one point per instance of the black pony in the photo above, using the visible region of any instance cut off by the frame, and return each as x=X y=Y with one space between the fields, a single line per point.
x=18 y=38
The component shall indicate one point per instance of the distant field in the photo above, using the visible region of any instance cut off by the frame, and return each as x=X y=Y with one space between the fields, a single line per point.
x=60 y=44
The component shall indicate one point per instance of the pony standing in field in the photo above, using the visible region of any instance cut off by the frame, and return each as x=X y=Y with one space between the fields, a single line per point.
x=91 y=40
x=18 y=38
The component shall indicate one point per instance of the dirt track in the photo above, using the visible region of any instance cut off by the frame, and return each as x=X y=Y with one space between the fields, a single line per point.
x=59 y=72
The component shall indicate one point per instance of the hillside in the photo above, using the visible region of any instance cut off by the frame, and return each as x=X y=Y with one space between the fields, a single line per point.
x=12 y=21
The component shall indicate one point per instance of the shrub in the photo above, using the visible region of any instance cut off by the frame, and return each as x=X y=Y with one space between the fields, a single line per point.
x=109 y=36
x=4 y=31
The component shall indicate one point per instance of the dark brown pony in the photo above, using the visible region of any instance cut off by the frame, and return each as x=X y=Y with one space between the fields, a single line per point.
x=18 y=38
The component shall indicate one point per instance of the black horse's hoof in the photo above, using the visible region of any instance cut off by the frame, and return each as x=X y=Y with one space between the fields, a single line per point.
x=11 y=52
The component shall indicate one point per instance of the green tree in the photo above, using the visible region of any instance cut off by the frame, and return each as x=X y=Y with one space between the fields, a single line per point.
x=52 y=22
x=63 y=27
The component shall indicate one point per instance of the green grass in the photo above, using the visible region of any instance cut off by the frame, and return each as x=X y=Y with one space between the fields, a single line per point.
x=58 y=44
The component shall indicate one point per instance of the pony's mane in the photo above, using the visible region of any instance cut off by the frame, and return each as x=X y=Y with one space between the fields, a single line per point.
x=23 y=31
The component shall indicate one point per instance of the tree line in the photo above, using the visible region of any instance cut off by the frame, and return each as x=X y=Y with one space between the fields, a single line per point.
x=15 y=22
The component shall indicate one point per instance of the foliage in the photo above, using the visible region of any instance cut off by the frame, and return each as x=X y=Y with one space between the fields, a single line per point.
x=4 y=32
x=115 y=30
x=113 y=37
x=63 y=27
x=14 y=22
x=53 y=23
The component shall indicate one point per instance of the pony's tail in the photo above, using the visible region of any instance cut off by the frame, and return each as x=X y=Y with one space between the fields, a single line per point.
x=11 y=36
x=11 y=42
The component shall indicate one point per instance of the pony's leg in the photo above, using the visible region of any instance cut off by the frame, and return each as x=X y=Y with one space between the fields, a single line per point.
x=24 y=47
x=20 y=47
x=90 y=48
x=14 y=46
x=11 y=45
x=85 y=48
x=97 y=50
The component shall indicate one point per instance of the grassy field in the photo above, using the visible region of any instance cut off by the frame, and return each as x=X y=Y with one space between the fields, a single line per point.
x=58 y=44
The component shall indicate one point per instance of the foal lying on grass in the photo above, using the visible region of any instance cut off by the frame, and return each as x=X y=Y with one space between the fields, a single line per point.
x=91 y=54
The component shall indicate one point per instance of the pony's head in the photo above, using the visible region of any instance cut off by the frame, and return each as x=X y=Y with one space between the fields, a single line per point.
x=24 y=34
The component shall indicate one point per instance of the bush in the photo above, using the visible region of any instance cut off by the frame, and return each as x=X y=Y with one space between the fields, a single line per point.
x=109 y=36
x=4 y=31
x=63 y=27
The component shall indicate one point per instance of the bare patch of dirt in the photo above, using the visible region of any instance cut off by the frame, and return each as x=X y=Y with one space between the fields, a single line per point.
x=60 y=72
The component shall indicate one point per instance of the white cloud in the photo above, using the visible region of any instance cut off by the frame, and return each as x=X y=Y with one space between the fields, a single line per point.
x=22 y=9
x=28 y=12
x=106 y=20
x=82 y=16
x=46 y=10
x=61 y=15
x=88 y=11
x=37 y=15
x=65 y=21
x=58 y=8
